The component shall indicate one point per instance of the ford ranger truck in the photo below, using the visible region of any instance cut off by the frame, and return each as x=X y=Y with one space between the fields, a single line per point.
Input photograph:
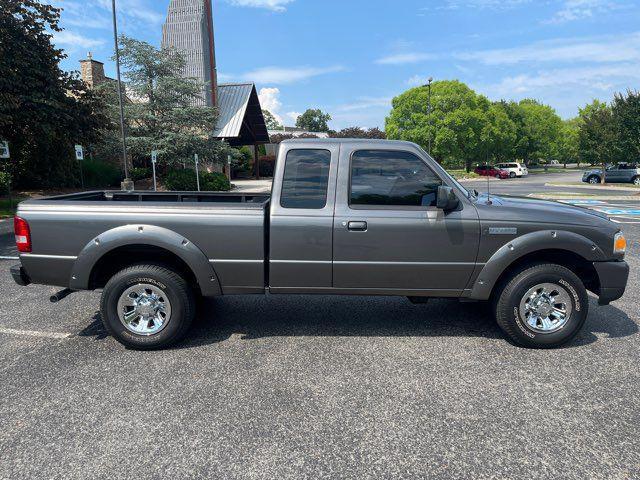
x=345 y=217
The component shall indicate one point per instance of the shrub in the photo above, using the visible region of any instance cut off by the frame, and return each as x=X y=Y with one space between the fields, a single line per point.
x=185 y=180
x=5 y=180
x=267 y=165
x=99 y=174
x=139 y=173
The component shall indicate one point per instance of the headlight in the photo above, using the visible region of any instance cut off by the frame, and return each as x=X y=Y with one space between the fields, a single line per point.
x=619 y=243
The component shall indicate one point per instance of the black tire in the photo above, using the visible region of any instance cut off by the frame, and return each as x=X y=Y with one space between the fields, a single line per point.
x=512 y=174
x=512 y=291
x=593 y=180
x=177 y=291
x=636 y=181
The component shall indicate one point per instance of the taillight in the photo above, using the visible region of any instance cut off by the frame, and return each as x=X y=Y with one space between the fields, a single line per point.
x=23 y=234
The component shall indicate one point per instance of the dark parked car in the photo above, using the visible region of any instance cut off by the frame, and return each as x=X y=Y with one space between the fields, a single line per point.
x=620 y=173
x=345 y=217
x=489 y=171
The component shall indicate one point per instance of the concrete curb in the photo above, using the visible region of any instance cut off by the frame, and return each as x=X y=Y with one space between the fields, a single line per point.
x=593 y=187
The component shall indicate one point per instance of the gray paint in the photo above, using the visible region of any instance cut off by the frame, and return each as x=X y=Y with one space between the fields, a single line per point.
x=252 y=244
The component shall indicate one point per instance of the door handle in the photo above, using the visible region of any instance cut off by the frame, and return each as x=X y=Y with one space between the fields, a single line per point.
x=357 y=226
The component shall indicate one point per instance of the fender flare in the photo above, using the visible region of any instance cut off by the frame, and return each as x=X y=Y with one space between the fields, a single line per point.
x=525 y=245
x=151 y=235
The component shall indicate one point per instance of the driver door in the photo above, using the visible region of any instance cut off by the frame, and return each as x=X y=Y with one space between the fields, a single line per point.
x=389 y=236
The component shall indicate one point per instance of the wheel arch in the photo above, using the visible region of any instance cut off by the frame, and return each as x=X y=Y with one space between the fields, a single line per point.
x=123 y=246
x=563 y=248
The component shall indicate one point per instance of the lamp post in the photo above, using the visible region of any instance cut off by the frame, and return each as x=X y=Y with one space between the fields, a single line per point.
x=429 y=111
x=120 y=99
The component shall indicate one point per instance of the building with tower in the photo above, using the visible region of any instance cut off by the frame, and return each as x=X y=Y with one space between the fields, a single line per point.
x=189 y=29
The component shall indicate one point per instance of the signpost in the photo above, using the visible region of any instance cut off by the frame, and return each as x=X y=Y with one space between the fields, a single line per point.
x=154 y=159
x=197 y=172
x=5 y=154
x=4 y=149
x=80 y=158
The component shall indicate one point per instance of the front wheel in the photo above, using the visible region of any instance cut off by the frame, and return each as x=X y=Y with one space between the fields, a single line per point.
x=593 y=180
x=147 y=307
x=512 y=175
x=636 y=181
x=542 y=306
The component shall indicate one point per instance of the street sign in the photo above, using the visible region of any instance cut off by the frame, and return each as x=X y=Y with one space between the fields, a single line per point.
x=79 y=152
x=4 y=149
x=154 y=159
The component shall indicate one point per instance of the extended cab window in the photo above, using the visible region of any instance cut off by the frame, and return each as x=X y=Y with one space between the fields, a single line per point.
x=392 y=178
x=306 y=179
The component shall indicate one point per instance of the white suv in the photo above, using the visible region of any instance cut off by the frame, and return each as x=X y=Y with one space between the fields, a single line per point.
x=514 y=169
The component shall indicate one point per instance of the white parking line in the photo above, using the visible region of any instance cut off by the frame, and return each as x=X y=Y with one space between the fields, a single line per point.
x=30 y=333
x=9 y=258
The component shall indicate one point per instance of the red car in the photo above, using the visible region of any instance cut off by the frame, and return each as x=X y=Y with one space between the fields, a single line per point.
x=489 y=171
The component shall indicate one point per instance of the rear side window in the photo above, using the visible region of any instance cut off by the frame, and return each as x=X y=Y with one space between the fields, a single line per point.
x=392 y=178
x=306 y=179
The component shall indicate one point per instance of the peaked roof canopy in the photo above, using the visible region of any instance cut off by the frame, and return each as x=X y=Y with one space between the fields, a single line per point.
x=240 y=120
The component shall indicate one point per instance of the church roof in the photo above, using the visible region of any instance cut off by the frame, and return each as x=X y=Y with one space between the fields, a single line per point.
x=240 y=119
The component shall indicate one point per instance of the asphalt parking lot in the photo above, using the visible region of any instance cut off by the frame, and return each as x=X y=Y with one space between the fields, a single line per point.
x=318 y=387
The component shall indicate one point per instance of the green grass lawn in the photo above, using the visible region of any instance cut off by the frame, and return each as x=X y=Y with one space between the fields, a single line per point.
x=461 y=174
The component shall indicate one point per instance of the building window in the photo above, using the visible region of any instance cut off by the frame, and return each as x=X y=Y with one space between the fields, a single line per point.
x=383 y=178
x=306 y=179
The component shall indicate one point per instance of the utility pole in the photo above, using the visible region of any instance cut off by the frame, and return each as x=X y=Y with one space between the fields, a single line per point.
x=429 y=112
x=120 y=99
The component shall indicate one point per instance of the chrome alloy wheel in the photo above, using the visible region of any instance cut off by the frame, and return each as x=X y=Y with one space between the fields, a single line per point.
x=546 y=308
x=144 y=309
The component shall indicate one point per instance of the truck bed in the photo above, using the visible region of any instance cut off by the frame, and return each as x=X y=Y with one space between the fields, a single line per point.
x=161 y=197
x=227 y=228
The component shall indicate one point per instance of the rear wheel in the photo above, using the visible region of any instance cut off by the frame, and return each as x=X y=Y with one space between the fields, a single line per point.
x=593 y=180
x=542 y=306
x=147 y=307
x=498 y=176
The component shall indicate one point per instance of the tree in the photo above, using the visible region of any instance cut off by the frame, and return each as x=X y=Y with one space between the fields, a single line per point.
x=271 y=121
x=538 y=129
x=499 y=134
x=44 y=111
x=597 y=135
x=626 y=116
x=454 y=125
x=161 y=115
x=314 y=121
x=568 y=141
x=357 y=132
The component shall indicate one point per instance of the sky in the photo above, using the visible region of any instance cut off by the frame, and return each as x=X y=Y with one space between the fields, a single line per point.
x=351 y=57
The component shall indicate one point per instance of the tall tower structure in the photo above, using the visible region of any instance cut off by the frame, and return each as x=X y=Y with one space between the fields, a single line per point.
x=189 y=29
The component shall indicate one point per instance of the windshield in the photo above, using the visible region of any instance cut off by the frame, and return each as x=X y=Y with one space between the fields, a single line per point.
x=451 y=177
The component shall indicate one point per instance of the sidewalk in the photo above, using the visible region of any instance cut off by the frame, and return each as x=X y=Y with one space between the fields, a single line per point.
x=252 y=186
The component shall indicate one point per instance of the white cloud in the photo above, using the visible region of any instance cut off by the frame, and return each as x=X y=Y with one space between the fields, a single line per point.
x=70 y=39
x=274 y=5
x=138 y=10
x=579 y=9
x=480 y=4
x=365 y=103
x=293 y=116
x=610 y=49
x=282 y=76
x=270 y=100
x=405 y=58
x=417 y=80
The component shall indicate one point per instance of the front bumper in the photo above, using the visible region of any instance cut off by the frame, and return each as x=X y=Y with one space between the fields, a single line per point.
x=20 y=276
x=613 y=280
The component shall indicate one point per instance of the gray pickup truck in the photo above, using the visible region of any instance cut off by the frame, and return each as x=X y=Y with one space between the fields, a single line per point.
x=345 y=217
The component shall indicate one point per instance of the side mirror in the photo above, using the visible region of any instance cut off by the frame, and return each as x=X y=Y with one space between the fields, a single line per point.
x=447 y=199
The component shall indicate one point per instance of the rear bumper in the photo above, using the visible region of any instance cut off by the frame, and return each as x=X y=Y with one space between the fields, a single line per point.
x=20 y=276
x=613 y=280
